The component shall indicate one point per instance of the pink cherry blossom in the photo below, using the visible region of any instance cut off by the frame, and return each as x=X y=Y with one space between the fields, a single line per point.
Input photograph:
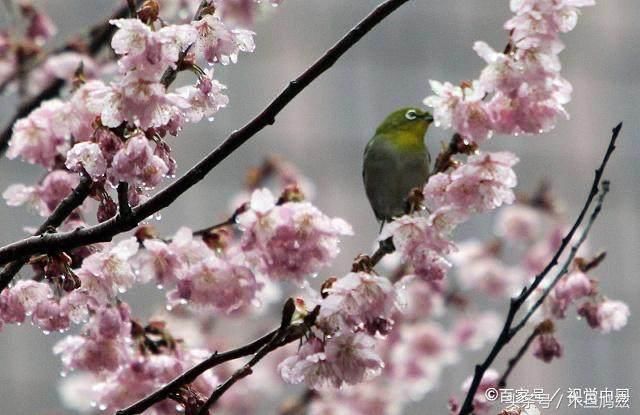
x=205 y=99
x=491 y=276
x=217 y=283
x=61 y=66
x=88 y=157
x=289 y=241
x=309 y=366
x=570 y=288
x=218 y=43
x=147 y=52
x=474 y=332
x=523 y=89
x=137 y=165
x=353 y=357
x=36 y=139
x=518 y=223
x=420 y=243
x=612 y=315
x=50 y=316
x=112 y=266
x=360 y=298
x=159 y=261
x=480 y=185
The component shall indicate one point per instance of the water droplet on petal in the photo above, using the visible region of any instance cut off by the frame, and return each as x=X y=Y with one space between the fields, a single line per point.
x=159 y=286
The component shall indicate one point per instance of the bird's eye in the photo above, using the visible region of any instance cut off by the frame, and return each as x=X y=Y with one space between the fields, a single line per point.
x=411 y=115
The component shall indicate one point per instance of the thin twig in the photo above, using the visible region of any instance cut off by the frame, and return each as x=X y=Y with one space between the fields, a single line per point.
x=567 y=263
x=278 y=337
x=508 y=331
x=108 y=229
x=513 y=362
x=61 y=212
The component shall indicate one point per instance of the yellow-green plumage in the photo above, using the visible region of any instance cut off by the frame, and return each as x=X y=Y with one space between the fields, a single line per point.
x=395 y=161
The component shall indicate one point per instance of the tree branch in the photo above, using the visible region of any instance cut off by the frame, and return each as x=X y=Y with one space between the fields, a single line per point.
x=273 y=338
x=61 y=212
x=276 y=340
x=518 y=356
x=508 y=332
x=108 y=229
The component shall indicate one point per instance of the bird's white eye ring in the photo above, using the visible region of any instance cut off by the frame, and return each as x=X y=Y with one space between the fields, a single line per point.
x=411 y=115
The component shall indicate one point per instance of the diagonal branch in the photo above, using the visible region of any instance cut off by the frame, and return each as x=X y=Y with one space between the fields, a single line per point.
x=62 y=212
x=508 y=330
x=274 y=339
x=108 y=229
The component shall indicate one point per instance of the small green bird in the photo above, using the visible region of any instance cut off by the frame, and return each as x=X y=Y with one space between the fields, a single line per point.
x=395 y=161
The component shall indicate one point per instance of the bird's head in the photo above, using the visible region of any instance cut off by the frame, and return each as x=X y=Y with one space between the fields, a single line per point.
x=410 y=120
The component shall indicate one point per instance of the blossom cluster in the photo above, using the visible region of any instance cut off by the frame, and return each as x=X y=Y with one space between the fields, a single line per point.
x=520 y=91
x=114 y=131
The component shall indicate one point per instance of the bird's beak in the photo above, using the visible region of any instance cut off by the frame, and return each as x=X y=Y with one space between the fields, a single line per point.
x=428 y=118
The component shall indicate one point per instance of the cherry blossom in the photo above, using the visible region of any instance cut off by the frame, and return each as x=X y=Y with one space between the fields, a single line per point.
x=218 y=43
x=218 y=283
x=360 y=298
x=612 y=315
x=291 y=240
x=88 y=157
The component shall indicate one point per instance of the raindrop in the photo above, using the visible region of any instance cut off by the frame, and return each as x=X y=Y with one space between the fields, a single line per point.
x=210 y=119
x=93 y=404
x=122 y=290
x=63 y=374
x=168 y=307
x=157 y=216
x=102 y=407
x=159 y=286
x=179 y=408
x=46 y=332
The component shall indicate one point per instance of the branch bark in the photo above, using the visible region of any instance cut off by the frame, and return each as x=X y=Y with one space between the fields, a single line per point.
x=108 y=229
x=509 y=330
x=62 y=211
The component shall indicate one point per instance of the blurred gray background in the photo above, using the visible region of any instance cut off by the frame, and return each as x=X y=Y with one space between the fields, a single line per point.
x=325 y=129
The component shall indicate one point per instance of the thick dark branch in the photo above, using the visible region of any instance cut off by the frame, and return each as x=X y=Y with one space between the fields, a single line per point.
x=108 y=229
x=124 y=209
x=508 y=332
x=62 y=211
x=99 y=36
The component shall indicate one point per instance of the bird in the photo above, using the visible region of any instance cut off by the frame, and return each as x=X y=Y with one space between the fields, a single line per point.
x=395 y=161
